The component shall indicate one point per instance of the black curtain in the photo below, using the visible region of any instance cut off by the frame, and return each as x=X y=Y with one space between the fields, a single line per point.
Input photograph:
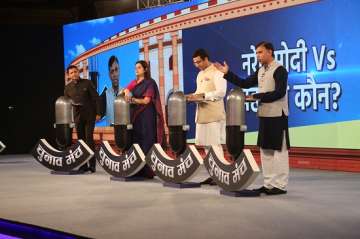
x=32 y=78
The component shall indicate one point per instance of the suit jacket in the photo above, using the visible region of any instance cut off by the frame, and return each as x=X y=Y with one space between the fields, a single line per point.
x=84 y=98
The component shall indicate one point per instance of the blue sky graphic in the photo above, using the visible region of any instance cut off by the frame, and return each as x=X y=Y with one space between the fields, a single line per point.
x=82 y=36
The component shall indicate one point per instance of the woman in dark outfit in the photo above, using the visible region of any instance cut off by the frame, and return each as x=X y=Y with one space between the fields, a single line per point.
x=146 y=112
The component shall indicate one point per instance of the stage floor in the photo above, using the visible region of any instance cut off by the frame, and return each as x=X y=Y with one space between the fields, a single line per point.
x=319 y=204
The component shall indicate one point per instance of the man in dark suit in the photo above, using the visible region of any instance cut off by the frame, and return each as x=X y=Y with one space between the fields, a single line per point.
x=86 y=105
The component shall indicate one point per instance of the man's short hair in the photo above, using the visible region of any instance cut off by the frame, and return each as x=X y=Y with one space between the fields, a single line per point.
x=112 y=59
x=71 y=67
x=267 y=45
x=201 y=53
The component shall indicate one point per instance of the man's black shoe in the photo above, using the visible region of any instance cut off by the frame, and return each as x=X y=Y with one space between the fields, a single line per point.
x=275 y=191
x=208 y=181
x=82 y=170
x=92 y=170
x=261 y=190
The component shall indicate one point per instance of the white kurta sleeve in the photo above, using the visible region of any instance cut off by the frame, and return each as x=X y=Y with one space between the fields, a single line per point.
x=220 y=88
x=197 y=85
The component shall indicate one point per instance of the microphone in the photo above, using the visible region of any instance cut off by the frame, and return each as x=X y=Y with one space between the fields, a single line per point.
x=64 y=122
x=122 y=123
x=235 y=122
x=177 y=122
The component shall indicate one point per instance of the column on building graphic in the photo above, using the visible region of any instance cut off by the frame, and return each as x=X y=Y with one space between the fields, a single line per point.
x=175 y=67
x=93 y=72
x=160 y=61
x=85 y=68
x=145 y=42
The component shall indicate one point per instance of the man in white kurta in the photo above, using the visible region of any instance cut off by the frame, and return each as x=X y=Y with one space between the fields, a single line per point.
x=273 y=136
x=210 y=111
x=210 y=114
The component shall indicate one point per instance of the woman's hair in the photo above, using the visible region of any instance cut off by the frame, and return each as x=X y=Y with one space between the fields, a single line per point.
x=146 y=67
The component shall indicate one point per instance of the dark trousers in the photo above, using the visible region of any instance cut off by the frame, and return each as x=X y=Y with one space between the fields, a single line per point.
x=85 y=131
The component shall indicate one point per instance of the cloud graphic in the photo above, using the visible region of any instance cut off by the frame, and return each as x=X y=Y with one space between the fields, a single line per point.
x=72 y=53
x=101 y=20
x=79 y=48
x=94 y=41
